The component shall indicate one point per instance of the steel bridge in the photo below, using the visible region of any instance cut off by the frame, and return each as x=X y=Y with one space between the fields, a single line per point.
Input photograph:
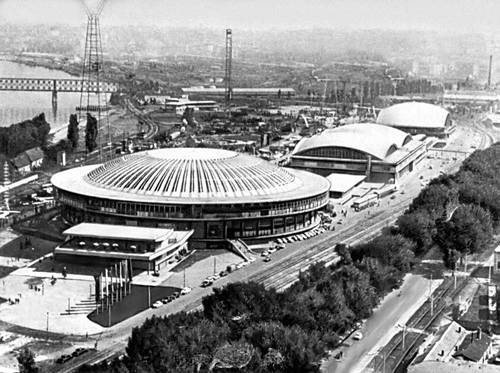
x=55 y=85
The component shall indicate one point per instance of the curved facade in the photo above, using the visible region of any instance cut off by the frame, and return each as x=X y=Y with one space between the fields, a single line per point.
x=418 y=117
x=379 y=152
x=362 y=139
x=220 y=194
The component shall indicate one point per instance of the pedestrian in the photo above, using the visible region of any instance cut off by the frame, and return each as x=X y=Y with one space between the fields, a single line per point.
x=87 y=335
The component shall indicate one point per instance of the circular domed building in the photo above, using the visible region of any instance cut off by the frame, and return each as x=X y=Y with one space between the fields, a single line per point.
x=219 y=194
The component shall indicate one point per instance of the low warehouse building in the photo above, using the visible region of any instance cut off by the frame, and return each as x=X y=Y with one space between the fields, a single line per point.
x=418 y=117
x=380 y=152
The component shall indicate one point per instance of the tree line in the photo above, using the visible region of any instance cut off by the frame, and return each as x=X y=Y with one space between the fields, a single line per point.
x=458 y=212
x=25 y=135
x=245 y=327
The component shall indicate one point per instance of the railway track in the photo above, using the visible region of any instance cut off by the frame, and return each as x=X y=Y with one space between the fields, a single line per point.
x=393 y=355
x=286 y=272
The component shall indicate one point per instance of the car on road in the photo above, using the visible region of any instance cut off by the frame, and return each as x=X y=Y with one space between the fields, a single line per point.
x=177 y=294
x=264 y=254
x=166 y=300
x=186 y=290
x=63 y=358
x=240 y=265
x=272 y=250
x=280 y=246
x=357 y=336
x=157 y=304
x=213 y=278
x=223 y=273
x=79 y=351
x=267 y=259
x=206 y=283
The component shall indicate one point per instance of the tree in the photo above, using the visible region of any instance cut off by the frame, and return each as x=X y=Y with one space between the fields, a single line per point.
x=467 y=232
x=91 y=131
x=26 y=360
x=419 y=227
x=434 y=199
x=345 y=253
x=73 y=134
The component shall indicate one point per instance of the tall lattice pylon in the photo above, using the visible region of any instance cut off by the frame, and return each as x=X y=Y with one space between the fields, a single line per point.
x=92 y=100
x=6 y=182
x=227 y=78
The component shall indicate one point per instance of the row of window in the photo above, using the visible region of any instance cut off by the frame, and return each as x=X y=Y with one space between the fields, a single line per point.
x=334 y=152
x=178 y=211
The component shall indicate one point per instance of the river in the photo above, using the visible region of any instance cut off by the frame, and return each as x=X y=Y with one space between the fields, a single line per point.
x=16 y=106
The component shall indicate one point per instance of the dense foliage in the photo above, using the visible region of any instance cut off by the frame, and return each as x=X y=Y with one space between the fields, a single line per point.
x=91 y=131
x=245 y=327
x=24 y=135
x=73 y=134
x=457 y=212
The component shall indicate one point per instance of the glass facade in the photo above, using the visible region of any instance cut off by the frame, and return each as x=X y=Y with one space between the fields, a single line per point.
x=211 y=222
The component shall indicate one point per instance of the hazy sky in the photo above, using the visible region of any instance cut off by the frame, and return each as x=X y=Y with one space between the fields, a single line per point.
x=453 y=15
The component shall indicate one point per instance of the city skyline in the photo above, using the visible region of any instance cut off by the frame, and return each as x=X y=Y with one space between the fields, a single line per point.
x=445 y=15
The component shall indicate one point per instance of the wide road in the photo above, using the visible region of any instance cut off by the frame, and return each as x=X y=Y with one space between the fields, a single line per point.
x=380 y=327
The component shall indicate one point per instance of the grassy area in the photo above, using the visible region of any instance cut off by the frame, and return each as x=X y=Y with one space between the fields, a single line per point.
x=195 y=257
x=35 y=248
x=134 y=303
x=4 y=271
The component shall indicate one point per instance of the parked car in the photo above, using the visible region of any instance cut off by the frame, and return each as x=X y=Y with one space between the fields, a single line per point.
x=186 y=290
x=267 y=259
x=206 y=283
x=213 y=277
x=280 y=246
x=357 y=336
x=177 y=294
x=166 y=300
x=264 y=253
x=79 y=351
x=271 y=250
x=63 y=358
x=157 y=304
x=223 y=273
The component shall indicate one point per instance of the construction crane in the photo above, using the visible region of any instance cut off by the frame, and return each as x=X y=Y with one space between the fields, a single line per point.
x=227 y=77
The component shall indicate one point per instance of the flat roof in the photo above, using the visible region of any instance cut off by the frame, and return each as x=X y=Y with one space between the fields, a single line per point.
x=343 y=182
x=121 y=232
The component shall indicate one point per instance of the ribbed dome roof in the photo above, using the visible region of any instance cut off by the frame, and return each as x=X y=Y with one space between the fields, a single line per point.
x=374 y=139
x=192 y=172
x=414 y=114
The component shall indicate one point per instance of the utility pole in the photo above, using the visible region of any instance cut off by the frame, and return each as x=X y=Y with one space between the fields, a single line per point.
x=404 y=335
x=430 y=296
x=489 y=71
x=47 y=325
x=215 y=265
x=184 y=278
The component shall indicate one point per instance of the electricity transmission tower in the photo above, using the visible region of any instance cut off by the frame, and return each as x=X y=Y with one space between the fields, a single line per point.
x=228 y=91
x=92 y=99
